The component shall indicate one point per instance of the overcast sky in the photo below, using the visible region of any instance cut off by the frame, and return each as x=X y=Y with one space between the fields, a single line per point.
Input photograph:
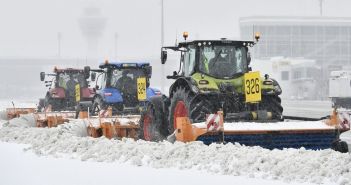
x=29 y=27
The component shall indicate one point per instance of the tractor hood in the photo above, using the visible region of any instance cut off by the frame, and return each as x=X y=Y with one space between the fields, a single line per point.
x=207 y=83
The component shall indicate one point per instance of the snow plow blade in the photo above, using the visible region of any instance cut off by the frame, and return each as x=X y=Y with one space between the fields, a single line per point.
x=112 y=126
x=313 y=135
x=52 y=119
x=16 y=112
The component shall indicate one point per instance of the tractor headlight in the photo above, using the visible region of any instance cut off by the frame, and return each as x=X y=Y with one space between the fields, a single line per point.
x=267 y=82
x=108 y=94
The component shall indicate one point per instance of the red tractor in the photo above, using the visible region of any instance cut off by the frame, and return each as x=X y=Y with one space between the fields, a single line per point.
x=67 y=88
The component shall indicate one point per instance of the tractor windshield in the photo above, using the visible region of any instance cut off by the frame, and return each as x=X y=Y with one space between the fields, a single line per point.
x=222 y=61
x=68 y=80
x=123 y=79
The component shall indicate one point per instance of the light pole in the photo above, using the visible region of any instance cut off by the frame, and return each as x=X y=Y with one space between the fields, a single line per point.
x=321 y=7
x=162 y=43
x=59 y=37
x=162 y=23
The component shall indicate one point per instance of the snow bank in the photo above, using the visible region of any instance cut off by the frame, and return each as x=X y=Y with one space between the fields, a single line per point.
x=231 y=159
x=26 y=120
x=3 y=115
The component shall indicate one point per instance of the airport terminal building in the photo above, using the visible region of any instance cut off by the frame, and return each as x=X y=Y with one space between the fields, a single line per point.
x=325 y=40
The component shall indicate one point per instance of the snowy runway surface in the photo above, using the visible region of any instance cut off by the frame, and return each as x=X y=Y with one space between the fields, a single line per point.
x=28 y=168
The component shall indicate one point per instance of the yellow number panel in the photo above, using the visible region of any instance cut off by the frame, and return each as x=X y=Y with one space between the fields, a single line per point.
x=252 y=87
x=141 y=82
x=77 y=92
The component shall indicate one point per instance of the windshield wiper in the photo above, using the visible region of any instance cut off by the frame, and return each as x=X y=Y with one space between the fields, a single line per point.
x=215 y=60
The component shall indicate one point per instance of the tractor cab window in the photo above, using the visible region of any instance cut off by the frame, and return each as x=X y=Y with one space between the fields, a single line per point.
x=189 y=61
x=67 y=80
x=126 y=79
x=222 y=61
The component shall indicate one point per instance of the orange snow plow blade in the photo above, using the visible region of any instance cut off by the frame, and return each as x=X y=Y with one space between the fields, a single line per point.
x=16 y=112
x=112 y=126
x=187 y=132
x=52 y=119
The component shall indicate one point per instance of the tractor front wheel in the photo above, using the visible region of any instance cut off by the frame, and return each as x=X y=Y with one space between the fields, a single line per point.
x=98 y=105
x=272 y=103
x=185 y=104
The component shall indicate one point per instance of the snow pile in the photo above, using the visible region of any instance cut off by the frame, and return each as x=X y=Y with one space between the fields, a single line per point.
x=230 y=159
x=3 y=115
x=76 y=127
x=26 y=120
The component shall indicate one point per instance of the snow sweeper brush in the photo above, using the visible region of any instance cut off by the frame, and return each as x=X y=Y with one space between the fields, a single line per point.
x=321 y=134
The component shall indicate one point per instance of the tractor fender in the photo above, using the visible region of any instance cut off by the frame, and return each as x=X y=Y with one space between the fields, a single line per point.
x=277 y=88
x=184 y=83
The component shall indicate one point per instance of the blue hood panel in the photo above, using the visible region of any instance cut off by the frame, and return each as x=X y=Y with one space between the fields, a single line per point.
x=150 y=92
x=115 y=97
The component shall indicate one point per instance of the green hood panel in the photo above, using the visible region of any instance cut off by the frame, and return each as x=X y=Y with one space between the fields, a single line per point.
x=213 y=83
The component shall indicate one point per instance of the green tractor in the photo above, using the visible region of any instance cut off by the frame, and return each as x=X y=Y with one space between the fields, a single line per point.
x=214 y=75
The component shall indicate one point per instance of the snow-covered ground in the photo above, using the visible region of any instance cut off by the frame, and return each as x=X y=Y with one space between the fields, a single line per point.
x=62 y=156
x=20 y=167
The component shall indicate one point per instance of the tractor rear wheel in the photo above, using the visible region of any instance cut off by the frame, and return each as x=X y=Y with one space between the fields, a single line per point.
x=272 y=103
x=184 y=104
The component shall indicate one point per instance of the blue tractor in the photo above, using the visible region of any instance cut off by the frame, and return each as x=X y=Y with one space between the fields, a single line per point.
x=122 y=86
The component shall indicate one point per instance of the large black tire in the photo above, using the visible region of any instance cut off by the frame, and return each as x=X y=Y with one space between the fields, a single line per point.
x=344 y=148
x=185 y=104
x=152 y=123
x=272 y=103
x=340 y=146
x=98 y=104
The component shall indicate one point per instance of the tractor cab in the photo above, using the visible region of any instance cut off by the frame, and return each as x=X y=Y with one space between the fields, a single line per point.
x=123 y=86
x=221 y=59
x=67 y=87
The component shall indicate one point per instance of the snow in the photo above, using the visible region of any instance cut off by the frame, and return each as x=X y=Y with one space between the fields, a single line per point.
x=289 y=165
x=29 y=168
x=63 y=155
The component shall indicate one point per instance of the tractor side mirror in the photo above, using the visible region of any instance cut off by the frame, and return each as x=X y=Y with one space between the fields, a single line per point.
x=86 y=72
x=42 y=76
x=93 y=76
x=248 y=58
x=163 y=56
x=148 y=71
